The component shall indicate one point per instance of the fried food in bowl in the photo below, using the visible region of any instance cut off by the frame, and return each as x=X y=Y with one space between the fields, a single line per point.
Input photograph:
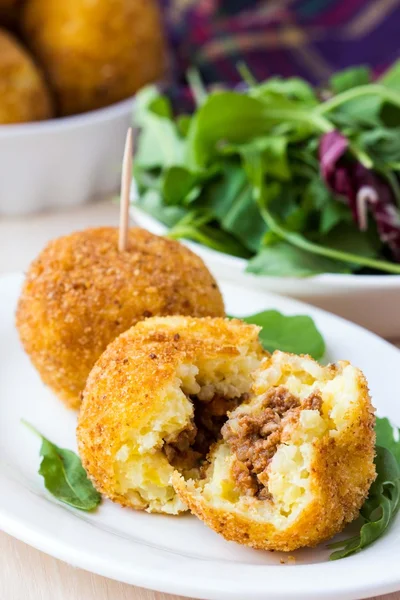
x=295 y=462
x=81 y=293
x=24 y=95
x=156 y=401
x=95 y=53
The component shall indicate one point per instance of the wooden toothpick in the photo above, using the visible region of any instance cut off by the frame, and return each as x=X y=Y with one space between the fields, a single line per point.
x=126 y=179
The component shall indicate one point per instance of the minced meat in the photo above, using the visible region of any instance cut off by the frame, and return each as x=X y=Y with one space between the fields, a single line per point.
x=256 y=437
x=190 y=447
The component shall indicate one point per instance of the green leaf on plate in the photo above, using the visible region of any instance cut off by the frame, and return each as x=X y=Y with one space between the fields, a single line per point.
x=64 y=476
x=379 y=509
x=297 y=334
x=387 y=436
x=383 y=501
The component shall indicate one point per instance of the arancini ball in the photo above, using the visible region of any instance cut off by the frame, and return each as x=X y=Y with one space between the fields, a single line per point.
x=295 y=462
x=81 y=293
x=156 y=401
x=95 y=53
x=24 y=95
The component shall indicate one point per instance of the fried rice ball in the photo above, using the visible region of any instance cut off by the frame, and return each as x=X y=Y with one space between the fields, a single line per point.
x=95 y=53
x=295 y=462
x=23 y=92
x=81 y=293
x=155 y=402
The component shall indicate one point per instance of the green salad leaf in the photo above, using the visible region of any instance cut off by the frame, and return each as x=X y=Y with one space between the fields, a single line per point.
x=297 y=334
x=383 y=502
x=284 y=260
x=350 y=78
x=64 y=476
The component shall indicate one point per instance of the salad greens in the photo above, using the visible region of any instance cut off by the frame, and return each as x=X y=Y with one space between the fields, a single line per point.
x=383 y=502
x=64 y=476
x=296 y=334
x=298 y=181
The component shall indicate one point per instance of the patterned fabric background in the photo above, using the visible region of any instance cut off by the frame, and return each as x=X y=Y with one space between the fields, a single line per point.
x=308 y=38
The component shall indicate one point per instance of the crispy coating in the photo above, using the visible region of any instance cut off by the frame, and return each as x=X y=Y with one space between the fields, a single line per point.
x=341 y=471
x=133 y=395
x=81 y=293
x=23 y=92
x=95 y=53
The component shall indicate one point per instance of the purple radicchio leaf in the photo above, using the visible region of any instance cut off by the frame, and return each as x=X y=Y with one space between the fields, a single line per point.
x=362 y=189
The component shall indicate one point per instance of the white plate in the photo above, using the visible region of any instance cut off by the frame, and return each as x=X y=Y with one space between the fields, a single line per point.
x=177 y=554
x=369 y=300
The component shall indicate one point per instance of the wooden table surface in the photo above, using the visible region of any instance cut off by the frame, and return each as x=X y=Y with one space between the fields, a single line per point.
x=26 y=573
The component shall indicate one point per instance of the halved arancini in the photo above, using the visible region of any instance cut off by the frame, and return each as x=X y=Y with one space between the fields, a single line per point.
x=295 y=462
x=156 y=401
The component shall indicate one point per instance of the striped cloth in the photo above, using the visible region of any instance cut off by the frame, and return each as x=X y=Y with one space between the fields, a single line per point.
x=308 y=38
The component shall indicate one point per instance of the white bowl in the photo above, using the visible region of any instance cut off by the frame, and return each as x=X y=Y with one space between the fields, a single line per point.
x=62 y=162
x=372 y=301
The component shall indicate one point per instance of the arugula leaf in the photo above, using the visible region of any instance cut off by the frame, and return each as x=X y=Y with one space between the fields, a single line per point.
x=329 y=211
x=292 y=88
x=230 y=117
x=177 y=184
x=64 y=477
x=149 y=100
x=387 y=436
x=383 y=144
x=159 y=143
x=383 y=501
x=391 y=77
x=350 y=78
x=183 y=124
x=151 y=202
x=331 y=215
x=297 y=334
x=347 y=238
x=284 y=260
x=273 y=151
x=229 y=199
x=194 y=226
x=379 y=509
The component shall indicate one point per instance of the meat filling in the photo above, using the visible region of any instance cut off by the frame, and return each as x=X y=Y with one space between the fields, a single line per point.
x=255 y=438
x=189 y=449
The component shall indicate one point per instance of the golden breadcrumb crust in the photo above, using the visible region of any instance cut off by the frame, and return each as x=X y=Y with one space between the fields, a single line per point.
x=95 y=53
x=342 y=471
x=23 y=92
x=81 y=293
x=125 y=389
